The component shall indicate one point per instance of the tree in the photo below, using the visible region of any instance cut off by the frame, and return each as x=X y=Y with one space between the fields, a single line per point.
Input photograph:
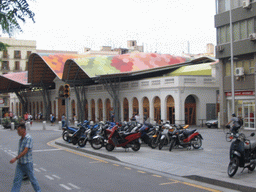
x=12 y=12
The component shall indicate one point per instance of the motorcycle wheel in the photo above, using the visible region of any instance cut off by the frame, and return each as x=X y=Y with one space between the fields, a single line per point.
x=74 y=141
x=161 y=144
x=110 y=147
x=233 y=166
x=136 y=146
x=97 y=143
x=81 y=142
x=172 y=145
x=65 y=136
x=154 y=143
x=251 y=167
x=197 y=142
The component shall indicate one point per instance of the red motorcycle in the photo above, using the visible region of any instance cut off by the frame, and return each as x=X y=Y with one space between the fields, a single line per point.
x=186 y=138
x=123 y=139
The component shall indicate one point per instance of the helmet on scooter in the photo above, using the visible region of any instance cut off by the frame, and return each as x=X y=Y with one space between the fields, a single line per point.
x=233 y=115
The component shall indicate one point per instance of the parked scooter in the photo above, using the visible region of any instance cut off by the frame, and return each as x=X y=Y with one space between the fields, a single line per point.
x=242 y=154
x=124 y=140
x=166 y=136
x=156 y=137
x=186 y=138
x=147 y=132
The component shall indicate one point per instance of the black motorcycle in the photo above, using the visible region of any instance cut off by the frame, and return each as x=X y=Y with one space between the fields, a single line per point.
x=242 y=154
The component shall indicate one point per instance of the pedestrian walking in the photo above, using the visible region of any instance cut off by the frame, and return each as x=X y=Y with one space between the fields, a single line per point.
x=24 y=161
x=63 y=120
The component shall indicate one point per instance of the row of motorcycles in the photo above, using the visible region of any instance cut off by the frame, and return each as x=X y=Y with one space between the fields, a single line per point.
x=131 y=135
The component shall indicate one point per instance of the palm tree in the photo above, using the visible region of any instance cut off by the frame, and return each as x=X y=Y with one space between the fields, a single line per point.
x=12 y=12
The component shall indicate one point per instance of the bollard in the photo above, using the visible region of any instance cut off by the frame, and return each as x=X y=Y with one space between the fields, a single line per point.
x=27 y=126
x=76 y=122
x=60 y=125
x=44 y=125
x=12 y=125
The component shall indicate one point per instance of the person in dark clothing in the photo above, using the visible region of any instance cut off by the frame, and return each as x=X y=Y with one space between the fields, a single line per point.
x=235 y=127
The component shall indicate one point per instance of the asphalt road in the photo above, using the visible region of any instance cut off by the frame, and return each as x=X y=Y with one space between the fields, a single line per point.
x=60 y=169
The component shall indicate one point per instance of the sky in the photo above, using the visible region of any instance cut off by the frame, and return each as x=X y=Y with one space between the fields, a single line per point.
x=163 y=26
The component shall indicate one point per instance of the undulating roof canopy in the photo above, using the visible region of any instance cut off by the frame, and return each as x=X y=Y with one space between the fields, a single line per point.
x=199 y=69
x=12 y=82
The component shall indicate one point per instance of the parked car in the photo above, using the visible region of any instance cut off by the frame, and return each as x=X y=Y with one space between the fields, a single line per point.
x=212 y=123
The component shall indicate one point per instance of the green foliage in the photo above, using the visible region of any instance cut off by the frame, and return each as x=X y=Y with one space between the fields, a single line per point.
x=3 y=46
x=12 y=12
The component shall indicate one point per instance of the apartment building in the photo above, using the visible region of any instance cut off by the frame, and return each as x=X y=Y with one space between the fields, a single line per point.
x=242 y=15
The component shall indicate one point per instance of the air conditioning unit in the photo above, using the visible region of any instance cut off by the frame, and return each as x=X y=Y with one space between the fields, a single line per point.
x=247 y=4
x=252 y=36
x=239 y=71
x=219 y=48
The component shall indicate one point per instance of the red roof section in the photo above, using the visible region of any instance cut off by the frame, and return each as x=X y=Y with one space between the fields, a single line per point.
x=20 y=77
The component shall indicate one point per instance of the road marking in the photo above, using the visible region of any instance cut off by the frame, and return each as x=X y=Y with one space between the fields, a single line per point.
x=65 y=186
x=141 y=171
x=49 y=177
x=56 y=176
x=127 y=168
x=47 y=150
x=168 y=183
x=37 y=170
x=74 y=186
x=95 y=162
x=156 y=176
x=42 y=169
x=201 y=187
x=116 y=165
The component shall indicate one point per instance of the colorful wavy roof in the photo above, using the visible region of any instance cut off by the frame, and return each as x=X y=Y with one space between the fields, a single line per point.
x=102 y=65
x=56 y=61
x=200 y=69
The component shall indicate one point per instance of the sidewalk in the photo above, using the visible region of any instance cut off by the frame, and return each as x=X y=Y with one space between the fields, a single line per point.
x=208 y=164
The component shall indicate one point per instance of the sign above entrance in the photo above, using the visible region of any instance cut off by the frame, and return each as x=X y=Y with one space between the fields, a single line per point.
x=241 y=93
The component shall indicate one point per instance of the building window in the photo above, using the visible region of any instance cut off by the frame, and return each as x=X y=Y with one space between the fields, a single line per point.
x=28 y=54
x=17 y=55
x=17 y=65
x=246 y=64
x=26 y=69
x=5 y=65
x=5 y=54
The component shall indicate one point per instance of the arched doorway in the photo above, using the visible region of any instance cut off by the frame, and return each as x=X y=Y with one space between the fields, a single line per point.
x=170 y=109
x=100 y=110
x=157 y=110
x=190 y=110
x=145 y=108
x=93 y=110
x=86 y=110
x=135 y=106
x=61 y=103
x=126 y=109
x=108 y=110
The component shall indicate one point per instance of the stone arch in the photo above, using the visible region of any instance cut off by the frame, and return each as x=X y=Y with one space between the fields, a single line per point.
x=146 y=108
x=135 y=106
x=190 y=110
x=100 y=110
x=170 y=105
x=126 y=109
x=108 y=110
x=157 y=109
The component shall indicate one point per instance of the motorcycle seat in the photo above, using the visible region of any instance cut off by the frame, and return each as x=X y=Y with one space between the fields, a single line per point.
x=189 y=132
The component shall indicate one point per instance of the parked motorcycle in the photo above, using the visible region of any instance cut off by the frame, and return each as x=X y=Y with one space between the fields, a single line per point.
x=242 y=154
x=123 y=139
x=156 y=137
x=147 y=132
x=89 y=133
x=186 y=138
x=166 y=135
x=68 y=132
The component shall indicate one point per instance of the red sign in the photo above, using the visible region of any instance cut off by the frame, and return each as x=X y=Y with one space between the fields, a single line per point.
x=241 y=93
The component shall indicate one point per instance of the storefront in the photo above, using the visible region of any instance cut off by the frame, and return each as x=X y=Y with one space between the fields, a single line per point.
x=244 y=107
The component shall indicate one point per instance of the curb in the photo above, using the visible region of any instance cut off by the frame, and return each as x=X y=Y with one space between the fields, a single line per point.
x=87 y=151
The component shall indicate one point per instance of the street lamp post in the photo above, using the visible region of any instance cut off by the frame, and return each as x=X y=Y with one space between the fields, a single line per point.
x=232 y=59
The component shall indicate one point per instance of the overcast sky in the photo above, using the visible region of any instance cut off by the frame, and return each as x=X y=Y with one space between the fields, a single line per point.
x=164 y=26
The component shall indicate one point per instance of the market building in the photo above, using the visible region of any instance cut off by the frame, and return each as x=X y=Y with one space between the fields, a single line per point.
x=154 y=86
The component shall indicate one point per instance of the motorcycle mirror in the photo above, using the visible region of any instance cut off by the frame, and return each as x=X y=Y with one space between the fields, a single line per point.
x=252 y=134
